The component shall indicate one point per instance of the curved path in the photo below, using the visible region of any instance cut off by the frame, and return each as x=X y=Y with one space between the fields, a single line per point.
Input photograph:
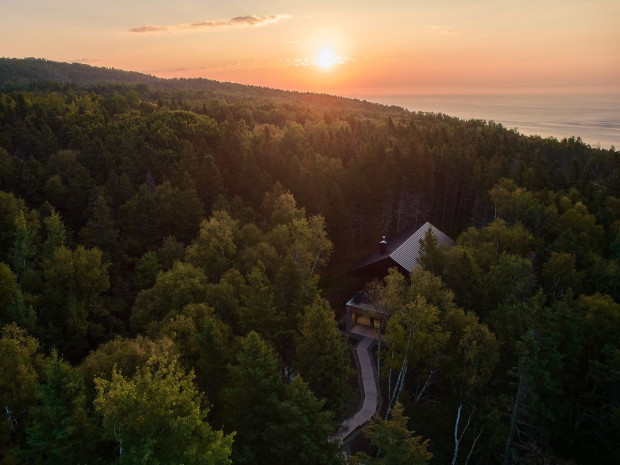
x=369 y=384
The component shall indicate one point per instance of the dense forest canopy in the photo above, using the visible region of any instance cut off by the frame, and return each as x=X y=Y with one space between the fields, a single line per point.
x=167 y=248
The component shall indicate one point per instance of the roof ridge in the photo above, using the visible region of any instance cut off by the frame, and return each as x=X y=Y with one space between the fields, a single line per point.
x=413 y=234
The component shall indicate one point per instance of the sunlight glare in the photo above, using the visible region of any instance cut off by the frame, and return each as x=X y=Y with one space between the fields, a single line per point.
x=326 y=58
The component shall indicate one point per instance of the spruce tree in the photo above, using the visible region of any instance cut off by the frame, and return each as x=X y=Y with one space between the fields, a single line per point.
x=61 y=431
x=253 y=391
x=322 y=356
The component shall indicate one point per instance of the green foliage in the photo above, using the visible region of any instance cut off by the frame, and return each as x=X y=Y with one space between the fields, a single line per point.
x=127 y=356
x=61 y=431
x=11 y=208
x=511 y=277
x=396 y=443
x=100 y=231
x=24 y=246
x=149 y=216
x=302 y=429
x=601 y=320
x=463 y=275
x=170 y=251
x=494 y=240
x=155 y=417
x=19 y=376
x=413 y=334
x=55 y=232
x=8 y=287
x=258 y=311
x=215 y=351
x=250 y=398
x=431 y=256
x=322 y=356
x=559 y=275
x=146 y=270
x=74 y=283
x=215 y=248
x=474 y=353
x=183 y=284
x=68 y=185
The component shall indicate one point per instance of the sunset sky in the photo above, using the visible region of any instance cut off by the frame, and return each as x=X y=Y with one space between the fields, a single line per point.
x=352 y=48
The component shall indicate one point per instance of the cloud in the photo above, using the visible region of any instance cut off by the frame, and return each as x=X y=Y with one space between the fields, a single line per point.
x=150 y=29
x=441 y=29
x=236 y=21
x=303 y=62
x=88 y=60
x=207 y=69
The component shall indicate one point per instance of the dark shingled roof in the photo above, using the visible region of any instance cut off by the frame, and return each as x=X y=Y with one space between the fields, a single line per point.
x=404 y=248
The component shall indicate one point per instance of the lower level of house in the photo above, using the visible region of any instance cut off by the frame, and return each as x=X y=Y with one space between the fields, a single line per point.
x=361 y=311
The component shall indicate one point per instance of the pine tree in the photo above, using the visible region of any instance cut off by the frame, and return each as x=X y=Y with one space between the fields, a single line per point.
x=61 y=431
x=322 y=356
x=258 y=311
x=302 y=431
x=253 y=391
x=100 y=230
x=397 y=445
x=431 y=255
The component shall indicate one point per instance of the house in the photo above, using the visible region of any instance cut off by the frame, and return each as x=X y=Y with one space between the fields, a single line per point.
x=401 y=251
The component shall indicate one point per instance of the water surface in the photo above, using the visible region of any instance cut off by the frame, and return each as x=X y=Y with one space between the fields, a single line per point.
x=593 y=117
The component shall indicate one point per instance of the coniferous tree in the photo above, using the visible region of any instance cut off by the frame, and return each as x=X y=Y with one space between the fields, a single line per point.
x=303 y=429
x=8 y=286
x=100 y=230
x=396 y=443
x=258 y=311
x=55 y=232
x=60 y=430
x=250 y=399
x=322 y=356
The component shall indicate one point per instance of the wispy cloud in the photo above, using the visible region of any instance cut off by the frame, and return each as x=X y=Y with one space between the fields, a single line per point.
x=441 y=30
x=236 y=21
x=88 y=61
x=302 y=62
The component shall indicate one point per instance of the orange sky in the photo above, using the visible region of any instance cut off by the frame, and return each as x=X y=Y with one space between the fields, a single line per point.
x=390 y=47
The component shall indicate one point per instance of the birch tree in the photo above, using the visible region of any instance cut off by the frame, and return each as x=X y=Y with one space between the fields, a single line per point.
x=413 y=335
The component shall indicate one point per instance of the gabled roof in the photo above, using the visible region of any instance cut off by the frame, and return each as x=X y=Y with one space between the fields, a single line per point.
x=404 y=248
x=407 y=254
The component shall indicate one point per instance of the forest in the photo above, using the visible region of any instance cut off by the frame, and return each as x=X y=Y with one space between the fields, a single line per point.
x=174 y=256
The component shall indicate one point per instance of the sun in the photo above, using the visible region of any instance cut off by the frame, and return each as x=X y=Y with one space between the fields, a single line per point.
x=326 y=58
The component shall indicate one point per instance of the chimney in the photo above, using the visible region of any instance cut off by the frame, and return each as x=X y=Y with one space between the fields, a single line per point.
x=383 y=246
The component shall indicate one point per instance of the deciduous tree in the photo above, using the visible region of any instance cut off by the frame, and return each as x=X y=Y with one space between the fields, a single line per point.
x=155 y=417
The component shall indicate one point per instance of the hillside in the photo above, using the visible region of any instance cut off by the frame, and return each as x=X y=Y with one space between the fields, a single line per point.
x=32 y=72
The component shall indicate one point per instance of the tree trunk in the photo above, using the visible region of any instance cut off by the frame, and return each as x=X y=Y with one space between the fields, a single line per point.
x=471 y=449
x=427 y=383
x=458 y=438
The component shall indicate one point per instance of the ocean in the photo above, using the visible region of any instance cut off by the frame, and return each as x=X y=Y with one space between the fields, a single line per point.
x=593 y=117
